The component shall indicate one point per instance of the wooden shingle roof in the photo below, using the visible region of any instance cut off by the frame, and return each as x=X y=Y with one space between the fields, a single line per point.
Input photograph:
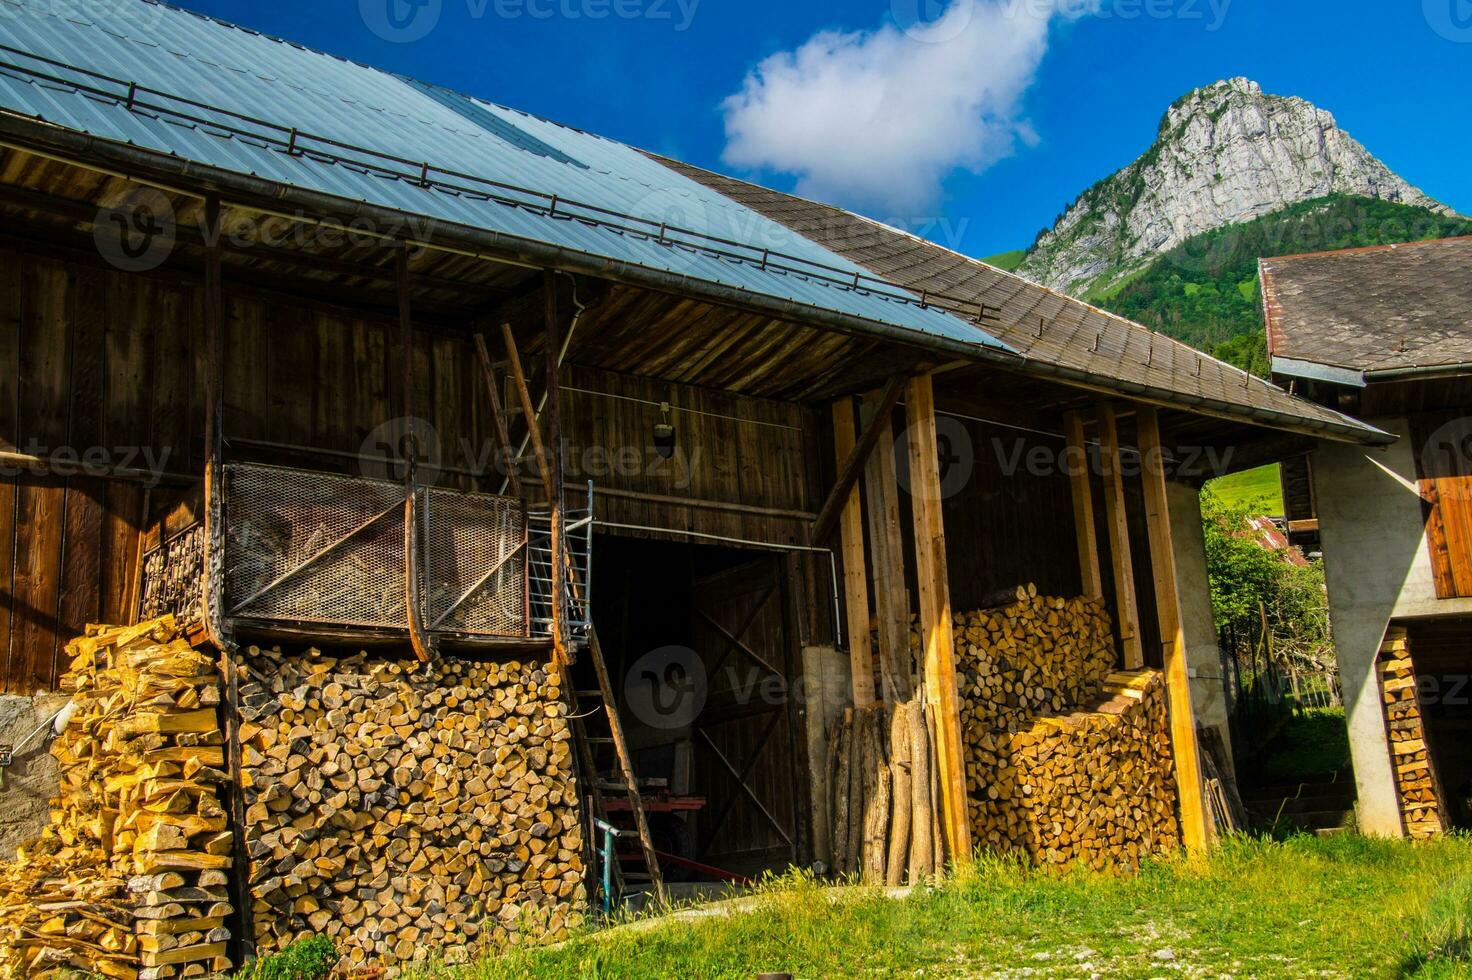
x=1075 y=340
x=1384 y=308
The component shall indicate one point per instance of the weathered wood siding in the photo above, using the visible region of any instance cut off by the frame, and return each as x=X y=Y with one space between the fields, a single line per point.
x=97 y=361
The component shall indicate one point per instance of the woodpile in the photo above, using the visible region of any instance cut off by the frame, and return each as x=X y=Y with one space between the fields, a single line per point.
x=1093 y=787
x=129 y=878
x=884 y=785
x=408 y=811
x=1039 y=655
x=1415 y=780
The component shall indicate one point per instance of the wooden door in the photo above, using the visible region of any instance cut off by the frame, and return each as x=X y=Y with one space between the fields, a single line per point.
x=747 y=755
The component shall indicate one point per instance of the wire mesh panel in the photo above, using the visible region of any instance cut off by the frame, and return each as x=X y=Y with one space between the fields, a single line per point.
x=475 y=574
x=313 y=547
x=321 y=548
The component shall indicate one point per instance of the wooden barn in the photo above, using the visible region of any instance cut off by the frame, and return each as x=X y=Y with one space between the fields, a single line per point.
x=316 y=356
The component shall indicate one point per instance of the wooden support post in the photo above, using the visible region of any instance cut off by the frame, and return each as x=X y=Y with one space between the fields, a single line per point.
x=550 y=424
x=852 y=464
x=887 y=554
x=855 y=581
x=1083 y=506
x=503 y=433
x=528 y=408
x=1195 y=815
x=935 y=616
x=418 y=639
x=212 y=575
x=1127 y=614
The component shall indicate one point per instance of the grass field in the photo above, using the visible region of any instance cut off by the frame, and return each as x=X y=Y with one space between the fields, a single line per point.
x=1007 y=261
x=1258 y=490
x=1340 y=907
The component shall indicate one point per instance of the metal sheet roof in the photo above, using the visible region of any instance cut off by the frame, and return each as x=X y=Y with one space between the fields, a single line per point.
x=227 y=97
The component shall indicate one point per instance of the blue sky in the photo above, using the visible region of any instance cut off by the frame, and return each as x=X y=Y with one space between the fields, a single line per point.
x=982 y=133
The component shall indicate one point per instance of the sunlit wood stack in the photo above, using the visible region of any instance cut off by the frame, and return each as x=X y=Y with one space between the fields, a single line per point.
x=883 y=781
x=129 y=879
x=1038 y=655
x=1093 y=787
x=1415 y=780
x=408 y=811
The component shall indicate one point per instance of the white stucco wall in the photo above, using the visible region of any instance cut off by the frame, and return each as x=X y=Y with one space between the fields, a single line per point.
x=1378 y=568
x=1188 y=539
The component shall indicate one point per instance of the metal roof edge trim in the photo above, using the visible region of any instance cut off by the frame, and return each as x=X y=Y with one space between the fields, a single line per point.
x=38 y=136
x=1316 y=371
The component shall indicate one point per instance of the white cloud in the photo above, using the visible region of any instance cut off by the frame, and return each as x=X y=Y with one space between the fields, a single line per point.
x=877 y=119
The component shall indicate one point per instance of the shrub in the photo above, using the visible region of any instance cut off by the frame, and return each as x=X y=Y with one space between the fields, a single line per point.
x=305 y=959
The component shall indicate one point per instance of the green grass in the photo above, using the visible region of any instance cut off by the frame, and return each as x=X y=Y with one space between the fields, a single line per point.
x=1007 y=261
x=1312 y=743
x=1345 y=906
x=1259 y=490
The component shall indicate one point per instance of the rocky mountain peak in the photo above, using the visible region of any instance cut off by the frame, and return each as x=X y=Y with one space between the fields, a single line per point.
x=1225 y=153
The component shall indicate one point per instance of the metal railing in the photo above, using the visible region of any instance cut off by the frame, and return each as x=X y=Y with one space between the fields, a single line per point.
x=578 y=582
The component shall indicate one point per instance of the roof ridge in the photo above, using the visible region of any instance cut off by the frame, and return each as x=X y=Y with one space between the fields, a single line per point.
x=1363 y=249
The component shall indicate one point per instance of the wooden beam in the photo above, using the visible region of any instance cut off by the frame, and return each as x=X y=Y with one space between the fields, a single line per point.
x=887 y=556
x=853 y=463
x=498 y=419
x=212 y=574
x=1080 y=481
x=1127 y=613
x=528 y=408
x=550 y=423
x=418 y=638
x=935 y=616
x=1195 y=825
x=855 y=581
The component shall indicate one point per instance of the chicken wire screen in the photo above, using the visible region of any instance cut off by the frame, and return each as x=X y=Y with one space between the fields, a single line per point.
x=321 y=548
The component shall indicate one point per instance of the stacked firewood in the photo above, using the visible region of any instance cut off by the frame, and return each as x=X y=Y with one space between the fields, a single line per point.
x=884 y=786
x=408 y=811
x=1414 y=778
x=129 y=879
x=1038 y=655
x=1092 y=787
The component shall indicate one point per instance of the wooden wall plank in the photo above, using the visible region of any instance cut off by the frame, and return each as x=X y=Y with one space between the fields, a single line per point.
x=79 y=600
x=1082 y=487
x=887 y=554
x=40 y=517
x=941 y=691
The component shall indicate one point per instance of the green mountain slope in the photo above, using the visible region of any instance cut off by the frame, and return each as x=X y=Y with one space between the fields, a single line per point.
x=1205 y=290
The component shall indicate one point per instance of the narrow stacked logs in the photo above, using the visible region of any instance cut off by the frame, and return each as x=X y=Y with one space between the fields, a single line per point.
x=1093 y=787
x=129 y=878
x=1414 y=779
x=408 y=811
x=882 y=766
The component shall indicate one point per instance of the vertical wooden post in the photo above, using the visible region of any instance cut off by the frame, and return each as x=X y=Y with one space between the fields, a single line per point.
x=886 y=552
x=1195 y=819
x=212 y=577
x=418 y=639
x=552 y=433
x=1083 y=506
x=1126 y=608
x=855 y=581
x=935 y=615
